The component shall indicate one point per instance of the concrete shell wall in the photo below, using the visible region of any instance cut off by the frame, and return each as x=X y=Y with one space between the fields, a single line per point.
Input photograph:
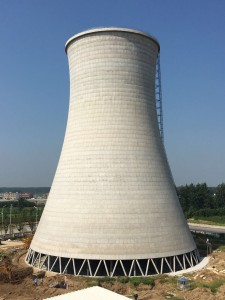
x=112 y=196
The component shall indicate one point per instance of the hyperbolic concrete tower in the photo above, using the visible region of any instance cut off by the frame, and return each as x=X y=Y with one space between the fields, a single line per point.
x=113 y=208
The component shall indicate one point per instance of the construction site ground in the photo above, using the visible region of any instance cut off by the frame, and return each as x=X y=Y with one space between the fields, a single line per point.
x=206 y=283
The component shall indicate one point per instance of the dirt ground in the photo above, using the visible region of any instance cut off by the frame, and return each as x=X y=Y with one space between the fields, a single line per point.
x=208 y=283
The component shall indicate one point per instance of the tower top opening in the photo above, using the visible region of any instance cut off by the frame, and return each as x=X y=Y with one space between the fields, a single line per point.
x=110 y=29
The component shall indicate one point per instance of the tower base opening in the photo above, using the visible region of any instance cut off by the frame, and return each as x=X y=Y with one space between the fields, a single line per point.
x=112 y=268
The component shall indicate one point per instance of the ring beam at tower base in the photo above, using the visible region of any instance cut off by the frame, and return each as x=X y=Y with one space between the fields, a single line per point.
x=113 y=268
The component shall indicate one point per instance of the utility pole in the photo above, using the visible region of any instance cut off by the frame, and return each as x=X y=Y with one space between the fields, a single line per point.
x=36 y=216
x=10 y=219
x=2 y=220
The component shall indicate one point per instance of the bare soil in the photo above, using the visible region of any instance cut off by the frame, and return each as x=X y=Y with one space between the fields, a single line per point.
x=208 y=283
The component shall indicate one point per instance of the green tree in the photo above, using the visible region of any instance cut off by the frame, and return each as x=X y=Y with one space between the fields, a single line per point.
x=195 y=197
x=184 y=195
x=202 y=197
x=220 y=196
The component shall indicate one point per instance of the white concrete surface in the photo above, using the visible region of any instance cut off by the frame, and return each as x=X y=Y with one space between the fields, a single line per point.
x=92 y=293
x=204 y=262
x=113 y=196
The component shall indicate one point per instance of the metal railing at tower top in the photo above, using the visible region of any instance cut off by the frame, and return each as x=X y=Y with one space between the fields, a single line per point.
x=158 y=97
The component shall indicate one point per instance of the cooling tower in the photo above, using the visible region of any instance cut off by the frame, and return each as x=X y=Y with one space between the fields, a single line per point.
x=112 y=209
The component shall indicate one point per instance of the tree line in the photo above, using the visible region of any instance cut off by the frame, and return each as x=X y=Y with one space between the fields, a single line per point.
x=21 y=203
x=18 y=213
x=32 y=190
x=202 y=201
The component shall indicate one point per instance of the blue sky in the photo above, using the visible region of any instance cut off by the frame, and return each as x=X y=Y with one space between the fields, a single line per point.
x=34 y=81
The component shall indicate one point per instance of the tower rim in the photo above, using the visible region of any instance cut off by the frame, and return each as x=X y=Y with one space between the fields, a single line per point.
x=110 y=29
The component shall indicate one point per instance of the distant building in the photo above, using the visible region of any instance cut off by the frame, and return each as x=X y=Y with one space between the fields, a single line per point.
x=10 y=196
x=38 y=202
x=26 y=195
x=41 y=196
